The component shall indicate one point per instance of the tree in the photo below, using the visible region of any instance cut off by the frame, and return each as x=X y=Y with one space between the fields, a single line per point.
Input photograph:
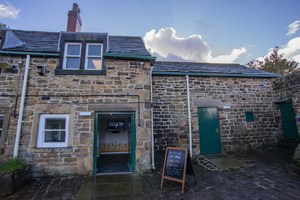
x=3 y=25
x=275 y=63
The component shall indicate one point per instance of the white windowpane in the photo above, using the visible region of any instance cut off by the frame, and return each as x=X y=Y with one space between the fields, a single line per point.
x=55 y=136
x=55 y=123
x=94 y=50
x=93 y=59
x=53 y=131
x=73 y=63
x=72 y=56
x=73 y=49
x=94 y=63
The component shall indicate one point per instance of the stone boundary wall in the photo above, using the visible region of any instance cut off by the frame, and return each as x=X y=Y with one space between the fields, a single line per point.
x=238 y=95
x=288 y=88
x=72 y=94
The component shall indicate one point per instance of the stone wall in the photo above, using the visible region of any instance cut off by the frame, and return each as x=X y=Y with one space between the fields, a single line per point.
x=288 y=88
x=232 y=96
x=123 y=88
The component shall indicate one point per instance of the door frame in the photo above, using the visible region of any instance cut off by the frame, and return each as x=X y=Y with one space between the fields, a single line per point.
x=293 y=121
x=218 y=128
x=132 y=135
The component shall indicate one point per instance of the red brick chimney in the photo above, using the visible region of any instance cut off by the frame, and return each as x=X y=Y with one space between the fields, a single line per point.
x=74 y=20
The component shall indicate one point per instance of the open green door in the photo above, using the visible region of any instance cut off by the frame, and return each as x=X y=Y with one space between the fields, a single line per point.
x=95 y=144
x=288 y=118
x=132 y=143
x=208 y=121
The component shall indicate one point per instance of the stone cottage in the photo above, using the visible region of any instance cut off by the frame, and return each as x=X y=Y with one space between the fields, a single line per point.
x=74 y=102
x=77 y=102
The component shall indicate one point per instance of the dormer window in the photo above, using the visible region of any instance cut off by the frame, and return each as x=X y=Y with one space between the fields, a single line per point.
x=93 y=59
x=82 y=54
x=72 y=56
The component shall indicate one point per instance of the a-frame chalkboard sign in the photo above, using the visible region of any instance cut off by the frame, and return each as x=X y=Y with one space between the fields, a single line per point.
x=175 y=165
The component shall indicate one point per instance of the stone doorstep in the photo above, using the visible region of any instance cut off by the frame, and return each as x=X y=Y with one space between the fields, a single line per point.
x=219 y=162
x=111 y=187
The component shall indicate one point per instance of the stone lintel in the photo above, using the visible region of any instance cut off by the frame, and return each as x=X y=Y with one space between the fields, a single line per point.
x=208 y=103
x=113 y=107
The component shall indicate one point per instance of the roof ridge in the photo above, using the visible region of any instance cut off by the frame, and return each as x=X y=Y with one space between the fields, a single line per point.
x=125 y=36
x=34 y=31
x=208 y=63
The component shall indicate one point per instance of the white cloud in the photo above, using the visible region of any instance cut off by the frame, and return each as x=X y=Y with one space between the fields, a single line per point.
x=8 y=11
x=166 y=45
x=296 y=58
x=293 y=27
x=235 y=54
x=292 y=49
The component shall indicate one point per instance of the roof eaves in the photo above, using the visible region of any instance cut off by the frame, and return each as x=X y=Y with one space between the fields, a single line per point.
x=129 y=56
x=47 y=54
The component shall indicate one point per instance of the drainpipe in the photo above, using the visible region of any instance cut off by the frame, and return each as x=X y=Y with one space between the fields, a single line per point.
x=16 y=149
x=189 y=113
x=152 y=132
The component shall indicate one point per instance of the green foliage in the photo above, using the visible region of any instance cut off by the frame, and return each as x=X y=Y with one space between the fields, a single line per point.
x=275 y=63
x=11 y=165
x=3 y=25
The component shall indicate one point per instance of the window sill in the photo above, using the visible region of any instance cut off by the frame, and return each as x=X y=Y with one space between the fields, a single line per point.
x=79 y=72
x=51 y=149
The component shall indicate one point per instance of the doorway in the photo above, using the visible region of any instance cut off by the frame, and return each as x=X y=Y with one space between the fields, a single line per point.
x=288 y=117
x=208 y=121
x=114 y=142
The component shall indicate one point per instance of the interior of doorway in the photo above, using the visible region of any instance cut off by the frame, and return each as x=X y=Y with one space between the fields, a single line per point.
x=113 y=143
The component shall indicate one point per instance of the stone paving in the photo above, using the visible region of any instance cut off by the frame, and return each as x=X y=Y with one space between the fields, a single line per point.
x=64 y=188
x=269 y=174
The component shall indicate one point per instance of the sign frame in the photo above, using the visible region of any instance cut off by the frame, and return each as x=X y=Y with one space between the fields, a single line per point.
x=164 y=176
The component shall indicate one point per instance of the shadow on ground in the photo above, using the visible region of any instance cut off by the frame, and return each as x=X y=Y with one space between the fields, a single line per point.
x=267 y=174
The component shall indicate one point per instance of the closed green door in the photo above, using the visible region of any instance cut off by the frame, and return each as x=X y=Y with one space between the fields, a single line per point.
x=210 y=142
x=288 y=118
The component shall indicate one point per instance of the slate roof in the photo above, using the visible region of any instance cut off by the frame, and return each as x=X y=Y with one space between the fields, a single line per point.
x=38 y=41
x=127 y=45
x=207 y=69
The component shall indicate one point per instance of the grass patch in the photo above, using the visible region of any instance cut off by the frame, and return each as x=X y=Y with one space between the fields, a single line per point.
x=11 y=165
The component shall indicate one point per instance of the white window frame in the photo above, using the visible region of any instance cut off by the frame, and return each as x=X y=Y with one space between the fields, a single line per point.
x=41 y=133
x=92 y=56
x=1 y=128
x=71 y=56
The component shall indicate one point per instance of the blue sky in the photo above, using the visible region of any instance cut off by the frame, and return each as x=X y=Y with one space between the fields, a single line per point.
x=191 y=30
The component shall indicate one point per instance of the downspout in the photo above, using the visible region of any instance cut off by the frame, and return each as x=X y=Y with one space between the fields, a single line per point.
x=16 y=149
x=189 y=113
x=152 y=132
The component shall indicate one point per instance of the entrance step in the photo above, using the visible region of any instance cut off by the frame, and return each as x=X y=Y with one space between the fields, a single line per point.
x=220 y=162
x=127 y=186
